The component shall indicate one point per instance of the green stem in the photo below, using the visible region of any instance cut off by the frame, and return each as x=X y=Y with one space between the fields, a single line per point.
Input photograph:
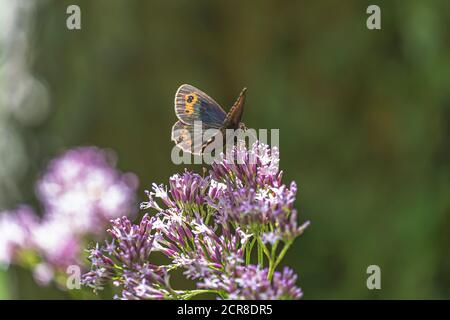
x=273 y=266
x=272 y=260
x=274 y=250
x=248 y=251
x=260 y=256
x=264 y=248
x=271 y=270
x=283 y=252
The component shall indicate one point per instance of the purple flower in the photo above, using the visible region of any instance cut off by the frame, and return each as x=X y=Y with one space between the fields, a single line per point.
x=80 y=191
x=56 y=243
x=255 y=197
x=187 y=191
x=254 y=167
x=184 y=232
x=125 y=261
x=83 y=188
x=43 y=273
x=252 y=283
x=15 y=228
x=208 y=226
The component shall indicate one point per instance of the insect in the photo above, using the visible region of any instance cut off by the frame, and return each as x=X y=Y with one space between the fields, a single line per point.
x=193 y=106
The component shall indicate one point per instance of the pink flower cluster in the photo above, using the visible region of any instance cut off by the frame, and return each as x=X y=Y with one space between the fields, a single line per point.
x=227 y=231
x=80 y=192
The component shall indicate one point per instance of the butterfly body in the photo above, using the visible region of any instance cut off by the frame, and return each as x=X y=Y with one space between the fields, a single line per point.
x=194 y=106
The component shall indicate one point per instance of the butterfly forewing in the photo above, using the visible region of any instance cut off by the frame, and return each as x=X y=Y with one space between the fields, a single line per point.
x=192 y=104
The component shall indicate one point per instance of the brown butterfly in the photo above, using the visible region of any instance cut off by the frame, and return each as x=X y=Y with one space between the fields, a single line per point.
x=194 y=106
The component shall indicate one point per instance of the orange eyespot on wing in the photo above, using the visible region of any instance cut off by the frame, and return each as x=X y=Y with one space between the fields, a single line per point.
x=190 y=101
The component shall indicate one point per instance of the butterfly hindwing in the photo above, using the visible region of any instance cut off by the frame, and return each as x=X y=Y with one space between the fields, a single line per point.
x=186 y=137
x=192 y=104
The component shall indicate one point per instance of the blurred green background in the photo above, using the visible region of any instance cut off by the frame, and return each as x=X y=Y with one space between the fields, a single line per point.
x=364 y=118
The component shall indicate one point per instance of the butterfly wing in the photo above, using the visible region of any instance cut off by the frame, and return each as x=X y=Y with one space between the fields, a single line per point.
x=234 y=116
x=187 y=139
x=192 y=104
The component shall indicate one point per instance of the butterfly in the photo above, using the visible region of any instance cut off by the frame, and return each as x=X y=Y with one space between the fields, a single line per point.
x=192 y=106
